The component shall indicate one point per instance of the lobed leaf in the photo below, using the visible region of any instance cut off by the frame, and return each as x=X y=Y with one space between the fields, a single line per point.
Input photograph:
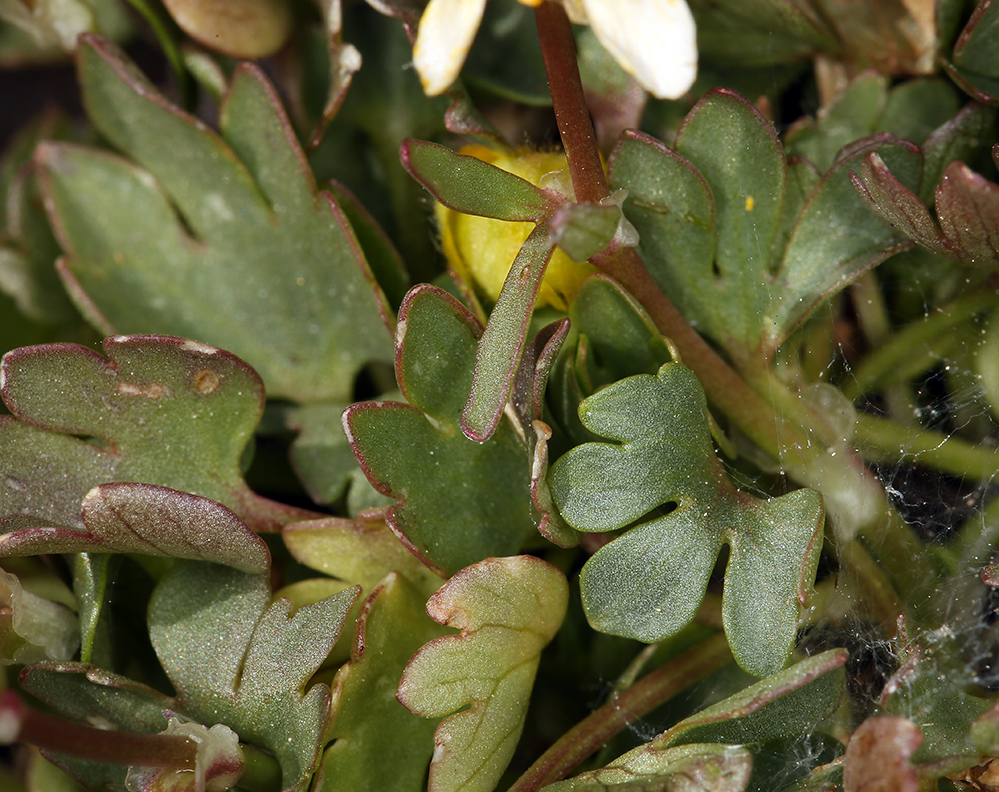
x=236 y=658
x=459 y=501
x=725 y=230
x=507 y=609
x=224 y=238
x=378 y=743
x=137 y=407
x=648 y=582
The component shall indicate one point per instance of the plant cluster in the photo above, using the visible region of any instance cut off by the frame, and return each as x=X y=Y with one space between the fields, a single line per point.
x=588 y=396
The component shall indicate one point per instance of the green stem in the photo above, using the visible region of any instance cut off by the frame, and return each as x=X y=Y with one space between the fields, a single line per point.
x=885 y=440
x=594 y=731
x=918 y=347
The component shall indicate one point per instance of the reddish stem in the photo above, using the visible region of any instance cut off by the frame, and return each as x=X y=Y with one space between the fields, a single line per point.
x=21 y=723
x=597 y=729
x=559 y=51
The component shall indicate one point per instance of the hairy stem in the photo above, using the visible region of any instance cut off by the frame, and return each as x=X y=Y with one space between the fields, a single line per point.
x=594 y=731
x=574 y=125
x=21 y=723
x=764 y=409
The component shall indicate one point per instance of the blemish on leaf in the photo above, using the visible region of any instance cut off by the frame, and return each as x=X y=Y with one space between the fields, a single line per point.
x=206 y=381
x=153 y=391
x=197 y=346
x=749 y=203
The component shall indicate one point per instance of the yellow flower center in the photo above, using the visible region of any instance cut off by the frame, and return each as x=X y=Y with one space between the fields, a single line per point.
x=481 y=250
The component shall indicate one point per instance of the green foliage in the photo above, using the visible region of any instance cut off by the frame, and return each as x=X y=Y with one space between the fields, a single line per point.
x=237 y=659
x=224 y=239
x=547 y=526
x=507 y=609
x=648 y=583
x=459 y=501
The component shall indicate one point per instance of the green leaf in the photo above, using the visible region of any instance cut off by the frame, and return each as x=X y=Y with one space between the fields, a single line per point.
x=141 y=518
x=378 y=744
x=852 y=115
x=836 y=238
x=788 y=704
x=502 y=343
x=708 y=749
x=507 y=609
x=974 y=66
x=459 y=501
x=692 y=768
x=235 y=658
x=138 y=406
x=712 y=222
x=360 y=552
x=471 y=186
x=225 y=239
x=648 y=583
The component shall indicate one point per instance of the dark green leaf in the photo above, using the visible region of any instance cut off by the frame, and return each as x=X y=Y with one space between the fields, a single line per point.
x=502 y=342
x=235 y=658
x=258 y=261
x=138 y=407
x=471 y=186
x=648 y=583
x=459 y=501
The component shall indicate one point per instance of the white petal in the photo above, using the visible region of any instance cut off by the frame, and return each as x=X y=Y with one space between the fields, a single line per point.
x=447 y=29
x=576 y=11
x=654 y=40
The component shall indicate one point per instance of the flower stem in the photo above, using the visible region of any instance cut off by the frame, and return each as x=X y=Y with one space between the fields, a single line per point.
x=578 y=139
x=762 y=407
x=594 y=731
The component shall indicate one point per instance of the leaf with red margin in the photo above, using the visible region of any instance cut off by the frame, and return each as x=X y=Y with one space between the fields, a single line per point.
x=158 y=521
x=507 y=609
x=224 y=238
x=157 y=410
x=459 y=501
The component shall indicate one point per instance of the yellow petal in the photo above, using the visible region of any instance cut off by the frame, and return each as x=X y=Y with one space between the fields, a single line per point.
x=654 y=40
x=447 y=29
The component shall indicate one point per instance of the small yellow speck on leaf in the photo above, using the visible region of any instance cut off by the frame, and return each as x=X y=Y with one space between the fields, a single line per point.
x=749 y=203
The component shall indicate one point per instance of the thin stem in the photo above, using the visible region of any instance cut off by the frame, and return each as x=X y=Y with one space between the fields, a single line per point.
x=918 y=347
x=594 y=731
x=24 y=724
x=884 y=440
x=580 y=143
x=782 y=425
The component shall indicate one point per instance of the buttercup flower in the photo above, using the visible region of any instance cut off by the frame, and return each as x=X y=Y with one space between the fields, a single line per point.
x=480 y=249
x=653 y=40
